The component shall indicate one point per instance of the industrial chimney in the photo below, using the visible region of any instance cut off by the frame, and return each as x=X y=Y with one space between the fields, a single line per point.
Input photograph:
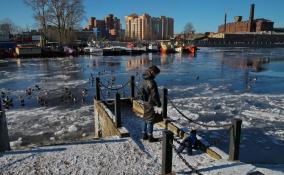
x=251 y=18
x=225 y=23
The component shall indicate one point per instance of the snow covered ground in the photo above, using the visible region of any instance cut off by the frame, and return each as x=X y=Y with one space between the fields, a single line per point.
x=108 y=156
x=114 y=156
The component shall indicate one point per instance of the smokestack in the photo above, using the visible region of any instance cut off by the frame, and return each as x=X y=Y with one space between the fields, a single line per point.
x=251 y=18
x=225 y=23
x=251 y=15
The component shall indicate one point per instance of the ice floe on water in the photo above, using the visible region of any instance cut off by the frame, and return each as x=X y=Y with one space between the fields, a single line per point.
x=262 y=121
x=36 y=125
x=16 y=77
x=73 y=83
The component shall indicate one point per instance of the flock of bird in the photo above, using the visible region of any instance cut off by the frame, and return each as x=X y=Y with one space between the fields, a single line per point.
x=41 y=97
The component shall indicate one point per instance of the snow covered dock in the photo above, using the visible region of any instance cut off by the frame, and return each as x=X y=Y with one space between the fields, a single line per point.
x=113 y=155
x=108 y=156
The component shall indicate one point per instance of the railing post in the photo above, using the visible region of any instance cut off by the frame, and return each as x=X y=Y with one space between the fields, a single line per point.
x=165 y=103
x=235 y=135
x=167 y=152
x=117 y=110
x=4 y=136
x=98 y=95
x=132 y=86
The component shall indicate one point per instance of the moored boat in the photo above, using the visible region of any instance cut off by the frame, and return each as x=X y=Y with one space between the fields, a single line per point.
x=190 y=49
x=132 y=50
x=153 y=48
x=24 y=50
x=179 y=49
x=114 y=50
x=167 y=48
x=93 y=50
x=186 y=49
x=69 y=50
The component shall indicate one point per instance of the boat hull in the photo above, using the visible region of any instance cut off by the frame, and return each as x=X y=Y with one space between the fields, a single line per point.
x=191 y=49
x=167 y=50
x=134 y=52
x=110 y=52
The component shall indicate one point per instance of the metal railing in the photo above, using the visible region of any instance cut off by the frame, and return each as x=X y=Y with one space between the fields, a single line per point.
x=234 y=128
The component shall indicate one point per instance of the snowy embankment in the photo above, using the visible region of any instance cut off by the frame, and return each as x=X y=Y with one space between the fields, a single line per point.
x=109 y=156
x=113 y=156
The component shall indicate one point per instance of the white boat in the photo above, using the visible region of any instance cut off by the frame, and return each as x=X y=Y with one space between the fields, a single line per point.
x=93 y=50
x=153 y=48
x=179 y=49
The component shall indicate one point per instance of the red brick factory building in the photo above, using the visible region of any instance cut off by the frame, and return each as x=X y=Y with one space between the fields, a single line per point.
x=252 y=25
x=251 y=33
x=108 y=28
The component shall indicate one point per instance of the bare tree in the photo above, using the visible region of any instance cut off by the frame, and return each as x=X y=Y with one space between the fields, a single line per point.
x=41 y=14
x=189 y=29
x=7 y=26
x=66 y=15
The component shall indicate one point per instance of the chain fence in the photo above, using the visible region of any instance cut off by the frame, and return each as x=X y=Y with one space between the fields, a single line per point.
x=195 y=121
x=225 y=126
x=192 y=168
x=106 y=100
x=111 y=88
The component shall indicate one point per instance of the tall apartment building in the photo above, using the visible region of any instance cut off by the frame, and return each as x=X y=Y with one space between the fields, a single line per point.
x=167 y=27
x=108 y=28
x=145 y=27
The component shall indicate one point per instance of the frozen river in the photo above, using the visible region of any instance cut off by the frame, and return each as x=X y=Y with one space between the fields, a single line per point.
x=213 y=87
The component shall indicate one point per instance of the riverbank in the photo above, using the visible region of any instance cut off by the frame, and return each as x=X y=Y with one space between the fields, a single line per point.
x=113 y=156
x=116 y=156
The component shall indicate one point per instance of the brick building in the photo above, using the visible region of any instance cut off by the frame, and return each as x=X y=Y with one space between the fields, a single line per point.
x=251 y=25
x=108 y=28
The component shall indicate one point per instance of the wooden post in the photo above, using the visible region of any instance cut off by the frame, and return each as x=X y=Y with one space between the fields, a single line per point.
x=165 y=103
x=97 y=125
x=132 y=86
x=4 y=136
x=167 y=152
x=117 y=110
x=235 y=135
x=98 y=95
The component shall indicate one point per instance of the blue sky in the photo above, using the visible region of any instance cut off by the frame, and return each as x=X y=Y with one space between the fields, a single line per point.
x=205 y=15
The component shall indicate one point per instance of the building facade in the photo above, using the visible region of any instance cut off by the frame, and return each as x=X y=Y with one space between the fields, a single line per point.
x=108 y=28
x=251 y=25
x=145 y=27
